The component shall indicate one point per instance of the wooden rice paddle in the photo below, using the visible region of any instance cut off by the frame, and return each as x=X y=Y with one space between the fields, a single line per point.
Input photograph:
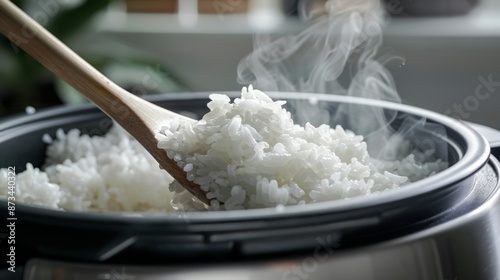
x=140 y=118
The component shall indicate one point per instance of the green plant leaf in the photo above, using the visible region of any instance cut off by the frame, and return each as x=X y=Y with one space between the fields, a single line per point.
x=67 y=22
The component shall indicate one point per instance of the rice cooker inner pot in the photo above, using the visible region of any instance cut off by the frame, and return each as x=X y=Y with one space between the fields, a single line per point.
x=128 y=237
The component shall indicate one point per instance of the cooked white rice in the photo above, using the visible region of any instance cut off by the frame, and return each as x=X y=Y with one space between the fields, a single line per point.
x=30 y=110
x=83 y=173
x=250 y=154
x=246 y=154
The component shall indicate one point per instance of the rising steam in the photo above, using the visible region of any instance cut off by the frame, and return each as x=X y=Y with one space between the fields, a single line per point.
x=313 y=60
x=338 y=54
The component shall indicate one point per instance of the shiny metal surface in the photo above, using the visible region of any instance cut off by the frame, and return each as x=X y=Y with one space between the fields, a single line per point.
x=463 y=244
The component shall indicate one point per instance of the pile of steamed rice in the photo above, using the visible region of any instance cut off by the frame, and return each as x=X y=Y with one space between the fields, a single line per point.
x=83 y=173
x=246 y=154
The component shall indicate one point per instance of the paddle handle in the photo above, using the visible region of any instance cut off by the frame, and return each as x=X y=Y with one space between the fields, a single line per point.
x=30 y=36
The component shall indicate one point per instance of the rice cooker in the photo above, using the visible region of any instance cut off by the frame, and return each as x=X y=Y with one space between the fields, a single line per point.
x=446 y=226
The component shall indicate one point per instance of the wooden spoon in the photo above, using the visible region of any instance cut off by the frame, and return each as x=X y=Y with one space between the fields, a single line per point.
x=140 y=118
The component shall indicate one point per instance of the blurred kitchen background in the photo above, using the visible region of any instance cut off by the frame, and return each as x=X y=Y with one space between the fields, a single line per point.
x=451 y=47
